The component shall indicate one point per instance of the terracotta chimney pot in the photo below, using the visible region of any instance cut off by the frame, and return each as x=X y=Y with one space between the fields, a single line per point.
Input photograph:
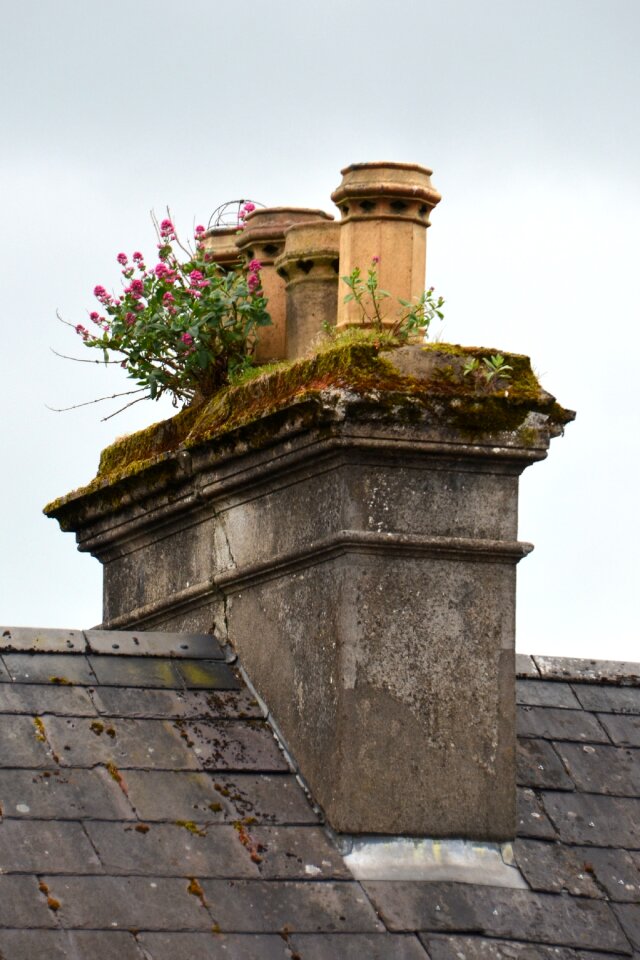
x=263 y=239
x=385 y=210
x=309 y=267
x=220 y=244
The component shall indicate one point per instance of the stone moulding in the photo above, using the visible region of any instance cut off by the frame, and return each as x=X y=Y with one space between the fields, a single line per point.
x=351 y=529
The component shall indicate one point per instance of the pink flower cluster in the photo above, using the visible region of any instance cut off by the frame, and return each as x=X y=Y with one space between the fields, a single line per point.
x=243 y=213
x=253 y=276
x=167 y=230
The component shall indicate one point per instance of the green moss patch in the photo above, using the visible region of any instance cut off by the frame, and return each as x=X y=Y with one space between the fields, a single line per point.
x=359 y=370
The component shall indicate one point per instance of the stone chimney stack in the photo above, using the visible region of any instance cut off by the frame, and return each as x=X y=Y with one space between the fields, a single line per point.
x=349 y=525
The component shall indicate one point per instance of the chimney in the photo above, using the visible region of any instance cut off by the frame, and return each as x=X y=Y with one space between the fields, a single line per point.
x=349 y=525
x=309 y=266
x=385 y=214
x=263 y=239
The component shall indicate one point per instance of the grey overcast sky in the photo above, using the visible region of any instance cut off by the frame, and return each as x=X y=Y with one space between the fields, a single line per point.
x=528 y=114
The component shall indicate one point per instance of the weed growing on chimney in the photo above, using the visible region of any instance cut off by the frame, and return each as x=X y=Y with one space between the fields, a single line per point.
x=178 y=328
x=414 y=319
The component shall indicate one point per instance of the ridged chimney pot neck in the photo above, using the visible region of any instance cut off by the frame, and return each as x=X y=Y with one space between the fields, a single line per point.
x=386 y=190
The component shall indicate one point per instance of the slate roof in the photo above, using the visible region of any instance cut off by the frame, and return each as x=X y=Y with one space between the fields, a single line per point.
x=148 y=812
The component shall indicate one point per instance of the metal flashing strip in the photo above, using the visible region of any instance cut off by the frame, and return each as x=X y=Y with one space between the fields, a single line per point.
x=422 y=858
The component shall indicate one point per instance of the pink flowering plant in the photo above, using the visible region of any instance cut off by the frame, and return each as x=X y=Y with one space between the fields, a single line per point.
x=179 y=327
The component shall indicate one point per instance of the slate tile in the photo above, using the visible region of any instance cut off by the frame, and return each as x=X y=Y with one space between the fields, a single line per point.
x=525 y=666
x=163 y=672
x=141 y=744
x=233 y=745
x=38 y=698
x=277 y=798
x=358 y=946
x=266 y=906
x=623 y=730
x=594 y=820
x=55 y=668
x=102 y=945
x=584 y=671
x=269 y=798
x=22 y=904
x=553 y=723
x=449 y=947
x=531 y=819
x=42 y=640
x=615 y=870
x=103 y=903
x=154 y=643
x=207 y=674
x=599 y=769
x=135 y=671
x=608 y=699
x=23 y=742
x=554 y=867
x=546 y=693
x=629 y=916
x=4 y=673
x=204 y=946
x=34 y=944
x=498 y=912
x=45 y=846
x=160 y=795
x=172 y=850
x=298 y=853
x=65 y=795
x=148 y=702
x=537 y=765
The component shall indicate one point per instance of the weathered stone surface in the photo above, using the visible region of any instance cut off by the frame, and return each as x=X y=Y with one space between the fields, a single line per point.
x=348 y=523
x=498 y=912
x=100 y=945
x=525 y=666
x=154 y=643
x=4 y=673
x=608 y=699
x=220 y=946
x=268 y=906
x=43 y=846
x=34 y=699
x=595 y=820
x=102 y=903
x=599 y=769
x=48 y=640
x=540 y=766
x=586 y=671
x=545 y=693
x=64 y=795
x=357 y=946
x=617 y=872
x=233 y=745
x=559 y=724
x=552 y=868
x=55 y=668
x=623 y=730
x=139 y=744
x=172 y=849
x=532 y=820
